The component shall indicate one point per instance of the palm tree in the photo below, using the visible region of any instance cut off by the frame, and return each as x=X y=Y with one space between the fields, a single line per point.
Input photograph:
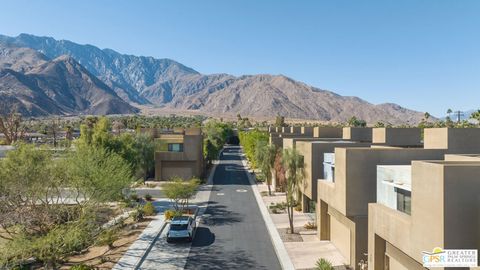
x=295 y=171
x=265 y=155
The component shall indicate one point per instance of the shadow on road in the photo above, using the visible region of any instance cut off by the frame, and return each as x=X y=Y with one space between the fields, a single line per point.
x=215 y=258
x=203 y=237
x=218 y=215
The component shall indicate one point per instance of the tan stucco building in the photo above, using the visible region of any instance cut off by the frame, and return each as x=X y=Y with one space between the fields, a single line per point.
x=342 y=206
x=178 y=152
x=442 y=210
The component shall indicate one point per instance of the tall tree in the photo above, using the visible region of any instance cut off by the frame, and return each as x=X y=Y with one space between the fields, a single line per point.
x=279 y=121
x=11 y=124
x=53 y=130
x=145 y=147
x=355 y=122
x=295 y=172
x=265 y=155
x=69 y=135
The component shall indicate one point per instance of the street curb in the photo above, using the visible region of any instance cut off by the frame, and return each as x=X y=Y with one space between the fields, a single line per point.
x=278 y=245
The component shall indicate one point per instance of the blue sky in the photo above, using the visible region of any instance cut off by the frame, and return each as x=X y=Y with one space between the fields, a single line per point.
x=424 y=55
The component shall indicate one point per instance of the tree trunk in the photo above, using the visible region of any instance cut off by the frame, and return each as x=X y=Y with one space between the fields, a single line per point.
x=269 y=183
x=290 y=213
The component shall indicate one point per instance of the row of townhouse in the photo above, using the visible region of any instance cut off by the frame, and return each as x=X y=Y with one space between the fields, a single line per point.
x=387 y=195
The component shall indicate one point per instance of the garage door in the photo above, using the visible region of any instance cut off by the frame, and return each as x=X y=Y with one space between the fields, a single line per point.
x=182 y=169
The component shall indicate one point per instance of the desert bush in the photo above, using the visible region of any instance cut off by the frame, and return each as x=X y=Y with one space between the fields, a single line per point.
x=148 y=197
x=260 y=177
x=134 y=197
x=82 y=267
x=310 y=226
x=323 y=264
x=149 y=209
x=137 y=215
x=169 y=214
x=180 y=191
x=50 y=248
x=108 y=237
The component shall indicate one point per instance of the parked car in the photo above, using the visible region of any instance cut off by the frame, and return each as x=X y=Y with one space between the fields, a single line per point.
x=181 y=228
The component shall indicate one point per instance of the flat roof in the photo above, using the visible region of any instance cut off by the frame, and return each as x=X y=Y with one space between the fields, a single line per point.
x=339 y=141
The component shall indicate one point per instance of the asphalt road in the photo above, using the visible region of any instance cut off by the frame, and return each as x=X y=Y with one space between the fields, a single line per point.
x=233 y=234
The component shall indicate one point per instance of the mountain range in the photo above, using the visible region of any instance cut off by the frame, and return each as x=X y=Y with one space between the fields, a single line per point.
x=46 y=76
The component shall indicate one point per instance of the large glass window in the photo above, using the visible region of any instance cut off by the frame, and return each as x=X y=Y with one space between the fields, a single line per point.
x=404 y=200
x=175 y=147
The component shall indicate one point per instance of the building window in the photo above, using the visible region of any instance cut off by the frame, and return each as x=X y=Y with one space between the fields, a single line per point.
x=329 y=172
x=175 y=147
x=404 y=200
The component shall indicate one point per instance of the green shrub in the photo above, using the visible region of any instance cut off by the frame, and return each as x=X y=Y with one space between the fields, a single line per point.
x=149 y=209
x=21 y=267
x=260 y=177
x=169 y=214
x=310 y=226
x=148 y=197
x=134 y=197
x=82 y=267
x=137 y=215
x=323 y=264
x=108 y=237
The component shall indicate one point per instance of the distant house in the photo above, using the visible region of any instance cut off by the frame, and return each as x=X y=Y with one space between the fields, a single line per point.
x=179 y=152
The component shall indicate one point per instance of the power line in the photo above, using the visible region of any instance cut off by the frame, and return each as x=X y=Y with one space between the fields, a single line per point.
x=459 y=114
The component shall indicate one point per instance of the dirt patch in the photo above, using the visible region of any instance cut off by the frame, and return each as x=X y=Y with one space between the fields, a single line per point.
x=291 y=237
x=102 y=257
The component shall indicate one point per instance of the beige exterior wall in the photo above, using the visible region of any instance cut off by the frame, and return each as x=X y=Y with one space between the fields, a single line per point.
x=277 y=138
x=357 y=134
x=397 y=136
x=340 y=236
x=186 y=164
x=313 y=155
x=355 y=187
x=456 y=140
x=460 y=157
x=445 y=213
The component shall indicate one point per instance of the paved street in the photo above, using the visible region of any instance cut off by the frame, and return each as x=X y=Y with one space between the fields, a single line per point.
x=233 y=234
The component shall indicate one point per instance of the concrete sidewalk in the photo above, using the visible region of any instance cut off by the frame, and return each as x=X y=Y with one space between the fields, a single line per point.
x=305 y=253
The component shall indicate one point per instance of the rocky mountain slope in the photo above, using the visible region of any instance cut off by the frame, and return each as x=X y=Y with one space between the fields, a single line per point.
x=37 y=86
x=168 y=84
